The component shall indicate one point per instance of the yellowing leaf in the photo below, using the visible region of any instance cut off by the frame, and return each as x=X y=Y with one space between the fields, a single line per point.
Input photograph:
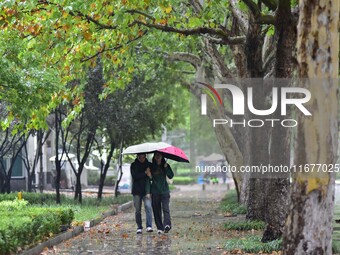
x=96 y=16
x=163 y=22
x=110 y=9
x=87 y=35
x=168 y=9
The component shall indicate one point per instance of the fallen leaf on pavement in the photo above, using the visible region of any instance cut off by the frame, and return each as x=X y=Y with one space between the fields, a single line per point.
x=125 y=236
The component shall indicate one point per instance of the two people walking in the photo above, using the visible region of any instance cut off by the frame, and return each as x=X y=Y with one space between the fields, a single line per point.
x=149 y=185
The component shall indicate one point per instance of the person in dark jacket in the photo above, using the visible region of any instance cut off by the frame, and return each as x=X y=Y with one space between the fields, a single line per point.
x=159 y=189
x=139 y=169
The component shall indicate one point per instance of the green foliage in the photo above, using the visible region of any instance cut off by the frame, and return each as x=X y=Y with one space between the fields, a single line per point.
x=230 y=197
x=234 y=209
x=49 y=199
x=183 y=171
x=245 y=225
x=26 y=87
x=253 y=244
x=336 y=229
x=15 y=205
x=336 y=245
x=21 y=225
x=33 y=198
x=183 y=180
x=337 y=176
x=230 y=205
x=93 y=178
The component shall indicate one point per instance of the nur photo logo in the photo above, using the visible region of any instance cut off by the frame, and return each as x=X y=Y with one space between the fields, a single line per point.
x=281 y=99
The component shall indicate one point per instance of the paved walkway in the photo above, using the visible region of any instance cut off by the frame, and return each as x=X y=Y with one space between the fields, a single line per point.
x=197 y=229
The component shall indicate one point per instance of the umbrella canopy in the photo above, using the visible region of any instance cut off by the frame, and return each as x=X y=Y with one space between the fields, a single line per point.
x=169 y=151
x=174 y=153
x=145 y=148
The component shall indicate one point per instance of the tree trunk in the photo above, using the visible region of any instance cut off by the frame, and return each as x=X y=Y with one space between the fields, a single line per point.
x=104 y=171
x=7 y=184
x=120 y=172
x=78 y=193
x=57 y=186
x=57 y=127
x=278 y=185
x=309 y=223
x=258 y=142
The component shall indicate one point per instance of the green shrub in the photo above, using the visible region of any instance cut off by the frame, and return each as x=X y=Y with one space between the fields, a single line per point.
x=253 y=244
x=49 y=199
x=230 y=198
x=230 y=205
x=245 y=225
x=234 y=209
x=183 y=180
x=93 y=178
x=110 y=181
x=13 y=205
x=22 y=225
x=184 y=171
x=33 y=198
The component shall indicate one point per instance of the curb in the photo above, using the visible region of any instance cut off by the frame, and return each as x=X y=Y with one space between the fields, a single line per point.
x=74 y=232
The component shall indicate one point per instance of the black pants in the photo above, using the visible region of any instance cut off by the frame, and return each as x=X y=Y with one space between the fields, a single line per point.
x=161 y=203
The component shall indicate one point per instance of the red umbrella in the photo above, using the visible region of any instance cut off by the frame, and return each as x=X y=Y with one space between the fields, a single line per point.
x=174 y=153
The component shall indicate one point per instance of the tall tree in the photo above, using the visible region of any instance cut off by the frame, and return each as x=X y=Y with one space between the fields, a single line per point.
x=31 y=165
x=232 y=43
x=309 y=224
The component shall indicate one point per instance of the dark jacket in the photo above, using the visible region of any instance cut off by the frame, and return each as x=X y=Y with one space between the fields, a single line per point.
x=139 y=178
x=158 y=184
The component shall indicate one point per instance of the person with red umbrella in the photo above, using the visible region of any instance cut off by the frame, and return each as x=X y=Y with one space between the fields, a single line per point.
x=159 y=189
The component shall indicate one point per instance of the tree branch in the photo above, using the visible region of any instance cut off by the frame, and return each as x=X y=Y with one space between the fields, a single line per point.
x=222 y=71
x=186 y=57
x=230 y=41
x=190 y=31
x=196 y=5
x=259 y=17
x=141 y=13
x=112 y=48
x=79 y=14
x=239 y=16
x=253 y=7
x=88 y=18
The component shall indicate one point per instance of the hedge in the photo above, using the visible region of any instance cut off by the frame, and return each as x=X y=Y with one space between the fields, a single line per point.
x=22 y=225
x=33 y=198
x=183 y=180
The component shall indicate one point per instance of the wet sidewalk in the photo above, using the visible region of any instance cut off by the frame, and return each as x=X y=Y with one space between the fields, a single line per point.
x=197 y=229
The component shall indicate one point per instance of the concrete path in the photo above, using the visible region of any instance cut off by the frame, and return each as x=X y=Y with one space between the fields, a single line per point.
x=197 y=229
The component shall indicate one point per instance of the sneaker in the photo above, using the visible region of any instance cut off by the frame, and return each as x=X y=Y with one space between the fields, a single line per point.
x=139 y=231
x=159 y=231
x=149 y=229
x=167 y=229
